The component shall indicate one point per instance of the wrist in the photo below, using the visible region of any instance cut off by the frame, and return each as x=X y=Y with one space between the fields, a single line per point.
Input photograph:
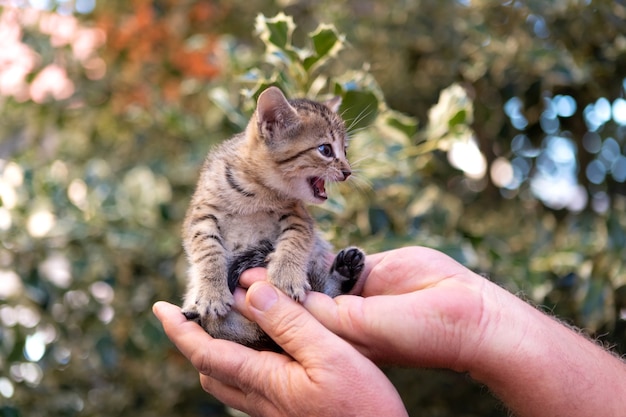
x=513 y=333
x=538 y=366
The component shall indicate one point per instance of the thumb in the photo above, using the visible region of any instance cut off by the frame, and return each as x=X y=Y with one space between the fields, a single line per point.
x=371 y=325
x=288 y=323
x=346 y=316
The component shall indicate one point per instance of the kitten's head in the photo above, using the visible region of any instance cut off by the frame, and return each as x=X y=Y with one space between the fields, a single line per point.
x=305 y=141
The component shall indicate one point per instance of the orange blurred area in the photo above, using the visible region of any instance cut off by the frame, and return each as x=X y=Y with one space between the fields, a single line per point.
x=155 y=48
x=135 y=51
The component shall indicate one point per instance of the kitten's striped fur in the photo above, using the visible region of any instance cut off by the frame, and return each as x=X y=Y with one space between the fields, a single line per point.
x=248 y=210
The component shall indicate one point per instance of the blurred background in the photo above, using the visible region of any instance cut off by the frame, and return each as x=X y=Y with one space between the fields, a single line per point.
x=493 y=131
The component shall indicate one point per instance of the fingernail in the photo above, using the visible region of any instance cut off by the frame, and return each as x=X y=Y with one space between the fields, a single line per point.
x=262 y=296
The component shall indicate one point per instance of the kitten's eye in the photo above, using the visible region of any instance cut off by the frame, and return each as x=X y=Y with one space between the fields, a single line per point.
x=326 y=150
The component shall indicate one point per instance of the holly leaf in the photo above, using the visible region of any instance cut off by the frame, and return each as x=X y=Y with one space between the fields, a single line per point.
x=401 y=122
x=326 y=43
x=359 y=109
x=276 y=31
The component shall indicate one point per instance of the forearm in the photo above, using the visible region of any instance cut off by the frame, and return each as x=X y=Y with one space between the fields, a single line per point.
x=539 y=367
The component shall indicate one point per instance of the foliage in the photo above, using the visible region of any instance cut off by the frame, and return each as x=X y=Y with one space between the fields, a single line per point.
x=104 y=125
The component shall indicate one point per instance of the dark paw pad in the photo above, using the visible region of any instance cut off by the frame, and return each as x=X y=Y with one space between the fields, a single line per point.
x=192 y=316
x=349 y=264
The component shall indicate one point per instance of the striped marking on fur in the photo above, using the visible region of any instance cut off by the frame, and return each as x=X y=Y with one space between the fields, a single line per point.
x=230 y=179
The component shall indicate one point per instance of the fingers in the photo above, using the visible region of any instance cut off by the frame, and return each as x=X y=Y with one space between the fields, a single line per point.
x=364 y=324
x=251 y=276
x=223 y=392
x=291 y=326
x=406 y=270
x=345 y=316
x=397 y=271
x=327 y=311
x=434 y=327
x=220 y=359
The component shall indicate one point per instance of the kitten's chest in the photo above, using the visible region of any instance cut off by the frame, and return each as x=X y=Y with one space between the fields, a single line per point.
x=245 y=231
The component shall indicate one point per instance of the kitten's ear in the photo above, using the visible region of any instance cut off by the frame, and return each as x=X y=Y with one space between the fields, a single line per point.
x=274 y=113
x=333 y=104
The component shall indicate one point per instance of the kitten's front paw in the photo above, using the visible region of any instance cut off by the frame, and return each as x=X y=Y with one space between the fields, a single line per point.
x=292 y=281
x=208 y=308
x=295 y=291
x=349 y=264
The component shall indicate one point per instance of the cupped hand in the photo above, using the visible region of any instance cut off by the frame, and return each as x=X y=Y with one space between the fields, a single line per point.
x=418 y=307
x=320 y=374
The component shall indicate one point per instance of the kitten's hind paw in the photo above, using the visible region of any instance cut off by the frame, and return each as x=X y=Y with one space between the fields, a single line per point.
x=349 y=264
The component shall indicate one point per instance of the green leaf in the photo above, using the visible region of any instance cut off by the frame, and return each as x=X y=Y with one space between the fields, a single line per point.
x=401 y=122
x=324 y=39
x=309 y=62
x=326 y=43
x=359 y=109
x=459 y=118
x=275 y=32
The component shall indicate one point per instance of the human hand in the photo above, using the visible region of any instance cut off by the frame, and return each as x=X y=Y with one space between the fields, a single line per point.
x=322 y=375
x=418 y=307
x=421 y=308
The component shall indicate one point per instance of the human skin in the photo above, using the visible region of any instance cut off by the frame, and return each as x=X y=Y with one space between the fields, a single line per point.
x=418 y=308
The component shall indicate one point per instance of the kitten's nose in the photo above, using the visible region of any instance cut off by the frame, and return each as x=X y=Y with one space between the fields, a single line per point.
x=346 y=174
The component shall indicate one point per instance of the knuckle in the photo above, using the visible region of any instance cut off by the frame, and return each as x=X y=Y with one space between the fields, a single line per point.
x=201 y=362
x=207 y=383
x=286 y=327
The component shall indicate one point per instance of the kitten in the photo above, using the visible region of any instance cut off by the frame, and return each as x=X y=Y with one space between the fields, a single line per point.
x=248 y=211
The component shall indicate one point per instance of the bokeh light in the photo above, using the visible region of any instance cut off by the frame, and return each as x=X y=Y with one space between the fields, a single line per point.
x=619 y=111
x=10 y=284
x=513 y=109
x=40 y=223
x=35 y=347
x=564 y=105
x=552 y=169
x=466 y=156
x=6 y=387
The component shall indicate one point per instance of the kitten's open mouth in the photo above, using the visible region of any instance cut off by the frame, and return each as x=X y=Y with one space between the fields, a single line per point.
x=317 y=186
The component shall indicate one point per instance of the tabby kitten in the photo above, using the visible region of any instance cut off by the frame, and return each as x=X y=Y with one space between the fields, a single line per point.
x=248 y=210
